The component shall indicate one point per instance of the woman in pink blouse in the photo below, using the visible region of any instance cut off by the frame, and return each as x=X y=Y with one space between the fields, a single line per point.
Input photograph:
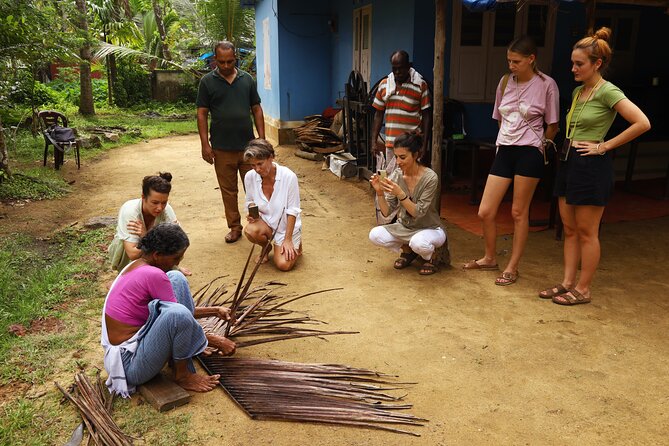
x=149 y=319
x=527 y=110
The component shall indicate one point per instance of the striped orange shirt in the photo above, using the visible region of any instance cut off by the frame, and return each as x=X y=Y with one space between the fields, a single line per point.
x=403 y=109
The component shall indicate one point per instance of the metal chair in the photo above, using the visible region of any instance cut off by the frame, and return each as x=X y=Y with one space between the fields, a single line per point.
x=50 y=119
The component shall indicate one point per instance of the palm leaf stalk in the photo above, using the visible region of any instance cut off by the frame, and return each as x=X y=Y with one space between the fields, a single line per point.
x=319 y=393
x=259 y=316
x=95 y=404
x=257 y=312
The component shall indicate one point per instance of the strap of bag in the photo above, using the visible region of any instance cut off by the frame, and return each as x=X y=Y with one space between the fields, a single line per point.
x=573 y=107
x=505 y=82
x=545 y=142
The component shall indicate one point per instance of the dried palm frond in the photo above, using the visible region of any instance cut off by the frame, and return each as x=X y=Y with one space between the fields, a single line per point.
x=94 y=404
x=321 y=393
x=259 y=313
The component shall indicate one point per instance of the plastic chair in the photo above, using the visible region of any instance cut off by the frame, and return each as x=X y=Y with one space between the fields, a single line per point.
x=457 y=139
x=50 y=118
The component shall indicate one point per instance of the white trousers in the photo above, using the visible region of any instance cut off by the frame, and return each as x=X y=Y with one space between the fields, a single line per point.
x=423 y=243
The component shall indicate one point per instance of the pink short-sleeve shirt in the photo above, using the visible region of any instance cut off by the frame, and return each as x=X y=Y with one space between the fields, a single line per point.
x=128 y=301
x=538 y=100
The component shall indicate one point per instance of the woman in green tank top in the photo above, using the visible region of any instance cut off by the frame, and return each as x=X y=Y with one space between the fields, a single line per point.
x=586 y=177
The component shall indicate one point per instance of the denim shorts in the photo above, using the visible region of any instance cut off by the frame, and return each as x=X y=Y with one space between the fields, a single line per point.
x=526 y=161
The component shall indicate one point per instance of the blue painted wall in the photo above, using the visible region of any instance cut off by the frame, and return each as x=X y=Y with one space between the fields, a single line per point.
x=423 y=39
x=304 y=52
x=386 y=15
x=271 y=99
x=299 y=58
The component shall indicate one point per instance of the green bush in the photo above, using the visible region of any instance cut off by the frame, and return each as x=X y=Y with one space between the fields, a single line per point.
x=69 y=91
x=23 y=90
x=188 y=93
x=132 y=85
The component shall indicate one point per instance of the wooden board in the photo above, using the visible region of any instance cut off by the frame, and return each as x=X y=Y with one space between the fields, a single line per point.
x=164 y=394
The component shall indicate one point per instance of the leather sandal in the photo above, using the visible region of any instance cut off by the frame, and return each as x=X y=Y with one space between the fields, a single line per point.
x=427 y=269
x=549 y=293
x=571 y=297
x=473 y=264
x=404 y=260
x=506 y=279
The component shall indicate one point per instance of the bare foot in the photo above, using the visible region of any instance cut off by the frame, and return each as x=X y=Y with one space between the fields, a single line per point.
x=185 y=271
x=197 y=383
x=264 y=259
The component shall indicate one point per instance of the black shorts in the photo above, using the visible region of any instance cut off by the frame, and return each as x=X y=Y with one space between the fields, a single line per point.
x=526 y=161
x=585 y=180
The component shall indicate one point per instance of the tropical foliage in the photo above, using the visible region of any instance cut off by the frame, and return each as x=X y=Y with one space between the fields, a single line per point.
x=124 y=39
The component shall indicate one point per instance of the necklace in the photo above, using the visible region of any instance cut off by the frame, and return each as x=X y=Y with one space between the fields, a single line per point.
x=573 y=107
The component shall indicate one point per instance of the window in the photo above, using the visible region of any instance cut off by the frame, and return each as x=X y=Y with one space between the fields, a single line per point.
x=478 y=48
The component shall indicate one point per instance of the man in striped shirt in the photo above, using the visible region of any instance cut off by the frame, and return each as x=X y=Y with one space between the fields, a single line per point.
x=404 y=99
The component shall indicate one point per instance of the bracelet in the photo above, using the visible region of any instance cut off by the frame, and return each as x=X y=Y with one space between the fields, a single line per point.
x=405 y=197
x=601 y=152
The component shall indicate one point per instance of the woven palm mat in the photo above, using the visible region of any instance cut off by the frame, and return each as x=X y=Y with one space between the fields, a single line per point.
x=321 y=393
x=277 y=390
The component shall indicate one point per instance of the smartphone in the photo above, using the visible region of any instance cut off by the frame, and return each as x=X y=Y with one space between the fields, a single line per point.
x=253 y=211
x=383 y=174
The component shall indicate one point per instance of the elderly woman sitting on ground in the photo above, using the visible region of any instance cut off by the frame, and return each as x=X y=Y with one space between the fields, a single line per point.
x=273 y=201
x=149 y=319
x=414 y=189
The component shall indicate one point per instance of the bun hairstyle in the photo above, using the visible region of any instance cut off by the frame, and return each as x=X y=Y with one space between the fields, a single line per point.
x=160 y=183
x=165 y=239
x=409 y=140
x=258 y=149
x=525 y=46
x=597 y=47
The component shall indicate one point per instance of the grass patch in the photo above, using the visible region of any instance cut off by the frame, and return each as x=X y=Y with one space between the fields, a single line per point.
x=29 y=422
x=59 y=279
x=152 y=121
x=37 y=277
x=153 y=427
x=33 y=184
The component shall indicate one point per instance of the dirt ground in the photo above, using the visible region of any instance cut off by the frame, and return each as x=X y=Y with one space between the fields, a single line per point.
x=492 y=365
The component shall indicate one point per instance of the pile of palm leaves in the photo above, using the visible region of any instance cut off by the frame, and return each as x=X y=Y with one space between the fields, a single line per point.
x=94 y=403
x=276 y=390
x=320 y=393
x=316 y=132
x=259 y=312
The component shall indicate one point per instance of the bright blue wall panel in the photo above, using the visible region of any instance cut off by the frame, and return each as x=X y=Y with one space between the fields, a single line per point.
x=304 y=53
x=271 y=98
x=392 y=29
x=423 y=39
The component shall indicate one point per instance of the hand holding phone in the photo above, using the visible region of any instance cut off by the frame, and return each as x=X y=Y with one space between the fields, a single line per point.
x=253 y=211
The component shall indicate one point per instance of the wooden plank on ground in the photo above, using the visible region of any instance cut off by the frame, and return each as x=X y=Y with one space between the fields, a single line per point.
x=164 y=394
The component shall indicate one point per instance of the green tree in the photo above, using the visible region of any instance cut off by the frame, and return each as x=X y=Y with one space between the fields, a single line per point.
x=226 y=19
x=29 y=38
x=86 y=102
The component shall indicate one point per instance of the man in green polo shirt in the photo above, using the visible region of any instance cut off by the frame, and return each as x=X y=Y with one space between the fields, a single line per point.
x=231 y=96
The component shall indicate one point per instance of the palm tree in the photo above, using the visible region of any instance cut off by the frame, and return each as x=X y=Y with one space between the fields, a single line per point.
x=158 y=15
x=226 y=19
x=86 y=104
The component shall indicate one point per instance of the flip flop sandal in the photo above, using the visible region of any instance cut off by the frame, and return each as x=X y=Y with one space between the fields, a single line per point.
x=427 y=269
x=507 y=279
x=472 y=264
x=549 y=293
x=404 y=260
x=571 y=297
